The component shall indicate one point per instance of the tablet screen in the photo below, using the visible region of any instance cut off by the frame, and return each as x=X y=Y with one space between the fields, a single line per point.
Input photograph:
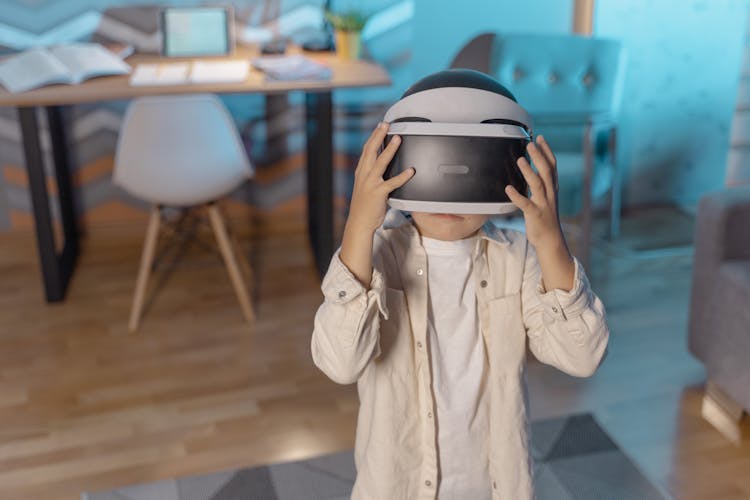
x=198 y=31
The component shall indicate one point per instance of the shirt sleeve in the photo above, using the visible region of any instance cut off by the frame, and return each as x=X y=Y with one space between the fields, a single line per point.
x=560 y=303
x=347 y=325
x=340 y=286
x=566 y=329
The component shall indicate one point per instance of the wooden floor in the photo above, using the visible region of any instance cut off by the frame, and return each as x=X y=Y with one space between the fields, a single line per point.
x=86 y=406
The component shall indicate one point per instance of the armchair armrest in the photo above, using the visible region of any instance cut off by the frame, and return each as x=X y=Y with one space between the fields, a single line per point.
x=722 y=229
x=722 y=232
x=717 y=326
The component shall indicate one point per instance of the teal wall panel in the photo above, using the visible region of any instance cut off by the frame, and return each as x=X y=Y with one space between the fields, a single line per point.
x=684 y=60
x=442 y=27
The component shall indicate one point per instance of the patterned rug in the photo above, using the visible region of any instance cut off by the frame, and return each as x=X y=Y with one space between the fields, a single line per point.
x=575 y=460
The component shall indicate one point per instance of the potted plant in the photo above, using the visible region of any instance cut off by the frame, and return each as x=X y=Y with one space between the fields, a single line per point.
x=348 y=29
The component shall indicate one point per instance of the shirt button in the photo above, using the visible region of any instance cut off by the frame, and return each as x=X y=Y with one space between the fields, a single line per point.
x=483 y=283
x=429 y=414
x=420 y=272
x=428 y=483
x=419 y=344
x=554 y=309
x=342 y=294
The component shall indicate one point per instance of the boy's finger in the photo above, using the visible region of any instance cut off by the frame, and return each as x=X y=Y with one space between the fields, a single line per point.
x=386 y=155
x=545 y=171
x=547 y=151
x=517 y=198
x=399 y=180
x=532 y=178
x=370 y=149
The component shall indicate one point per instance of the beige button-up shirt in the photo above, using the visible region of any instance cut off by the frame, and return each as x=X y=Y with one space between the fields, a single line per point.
x=377 y=337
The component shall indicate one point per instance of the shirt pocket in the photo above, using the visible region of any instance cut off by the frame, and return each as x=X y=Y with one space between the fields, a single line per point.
x=396 y=350
x=507 y=331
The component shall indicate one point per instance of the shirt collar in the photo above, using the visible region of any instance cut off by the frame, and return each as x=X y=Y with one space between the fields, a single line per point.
x=491 y=232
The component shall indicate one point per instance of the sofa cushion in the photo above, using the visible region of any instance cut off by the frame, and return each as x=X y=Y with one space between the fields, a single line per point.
x=729 y=351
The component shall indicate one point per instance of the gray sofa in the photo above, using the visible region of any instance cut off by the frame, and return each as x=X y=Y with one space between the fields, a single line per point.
x=719 y=324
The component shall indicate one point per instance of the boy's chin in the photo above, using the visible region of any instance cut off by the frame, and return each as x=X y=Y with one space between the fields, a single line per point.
x=447 y=217
x=448 y=226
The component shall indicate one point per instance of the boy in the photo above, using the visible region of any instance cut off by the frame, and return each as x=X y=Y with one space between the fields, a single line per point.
x=431 y=318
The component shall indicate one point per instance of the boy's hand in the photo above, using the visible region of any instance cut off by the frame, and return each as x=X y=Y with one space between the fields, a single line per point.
x=368 y=205
x=541 y=216
x=540 y=210
x=367 y=208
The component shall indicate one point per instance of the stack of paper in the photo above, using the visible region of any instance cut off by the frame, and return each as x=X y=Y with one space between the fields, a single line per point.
x=181 y=73
x=294 y=67
x=219 y=71
x=160 y=74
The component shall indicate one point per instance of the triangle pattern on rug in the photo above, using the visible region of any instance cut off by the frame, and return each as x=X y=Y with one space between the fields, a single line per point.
x=202 y=487
x=338 y=464
x=256 y=480
x=608 y=474
x=581 y=435
x=301 y=480
x=160 y=490
x=543 y=436
x=547 y=486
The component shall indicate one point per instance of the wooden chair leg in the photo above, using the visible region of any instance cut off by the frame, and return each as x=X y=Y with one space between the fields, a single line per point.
x=722 y=412
x=247 y=270
x=147 y=260
x=230 y=260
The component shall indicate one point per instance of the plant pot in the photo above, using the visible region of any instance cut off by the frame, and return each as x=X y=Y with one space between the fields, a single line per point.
x=348 y=44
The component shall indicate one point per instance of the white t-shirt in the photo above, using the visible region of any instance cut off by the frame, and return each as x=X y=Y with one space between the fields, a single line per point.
x=459 y=371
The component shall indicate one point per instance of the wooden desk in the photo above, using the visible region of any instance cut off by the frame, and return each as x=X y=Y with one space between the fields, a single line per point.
x=58 y=267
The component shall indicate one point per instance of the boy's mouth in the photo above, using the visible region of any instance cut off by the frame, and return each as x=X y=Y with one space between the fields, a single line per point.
x=447 y=216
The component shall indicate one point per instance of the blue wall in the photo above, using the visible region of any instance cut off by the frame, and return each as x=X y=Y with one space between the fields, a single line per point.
x=442 y=27
x=684 y=58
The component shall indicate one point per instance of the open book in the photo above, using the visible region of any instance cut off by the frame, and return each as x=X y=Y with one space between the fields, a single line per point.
x=71 y=64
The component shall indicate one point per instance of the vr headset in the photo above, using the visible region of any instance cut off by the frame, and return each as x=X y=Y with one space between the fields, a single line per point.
x=462 y=132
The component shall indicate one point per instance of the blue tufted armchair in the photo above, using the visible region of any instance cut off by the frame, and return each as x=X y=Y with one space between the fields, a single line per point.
x=572 y=87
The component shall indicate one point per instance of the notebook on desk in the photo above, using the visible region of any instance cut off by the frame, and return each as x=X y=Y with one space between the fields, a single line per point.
x=196 y=72
x=67 y=64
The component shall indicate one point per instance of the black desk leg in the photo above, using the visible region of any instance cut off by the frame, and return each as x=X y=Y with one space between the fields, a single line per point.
x=319 y=118
x=56 y=268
